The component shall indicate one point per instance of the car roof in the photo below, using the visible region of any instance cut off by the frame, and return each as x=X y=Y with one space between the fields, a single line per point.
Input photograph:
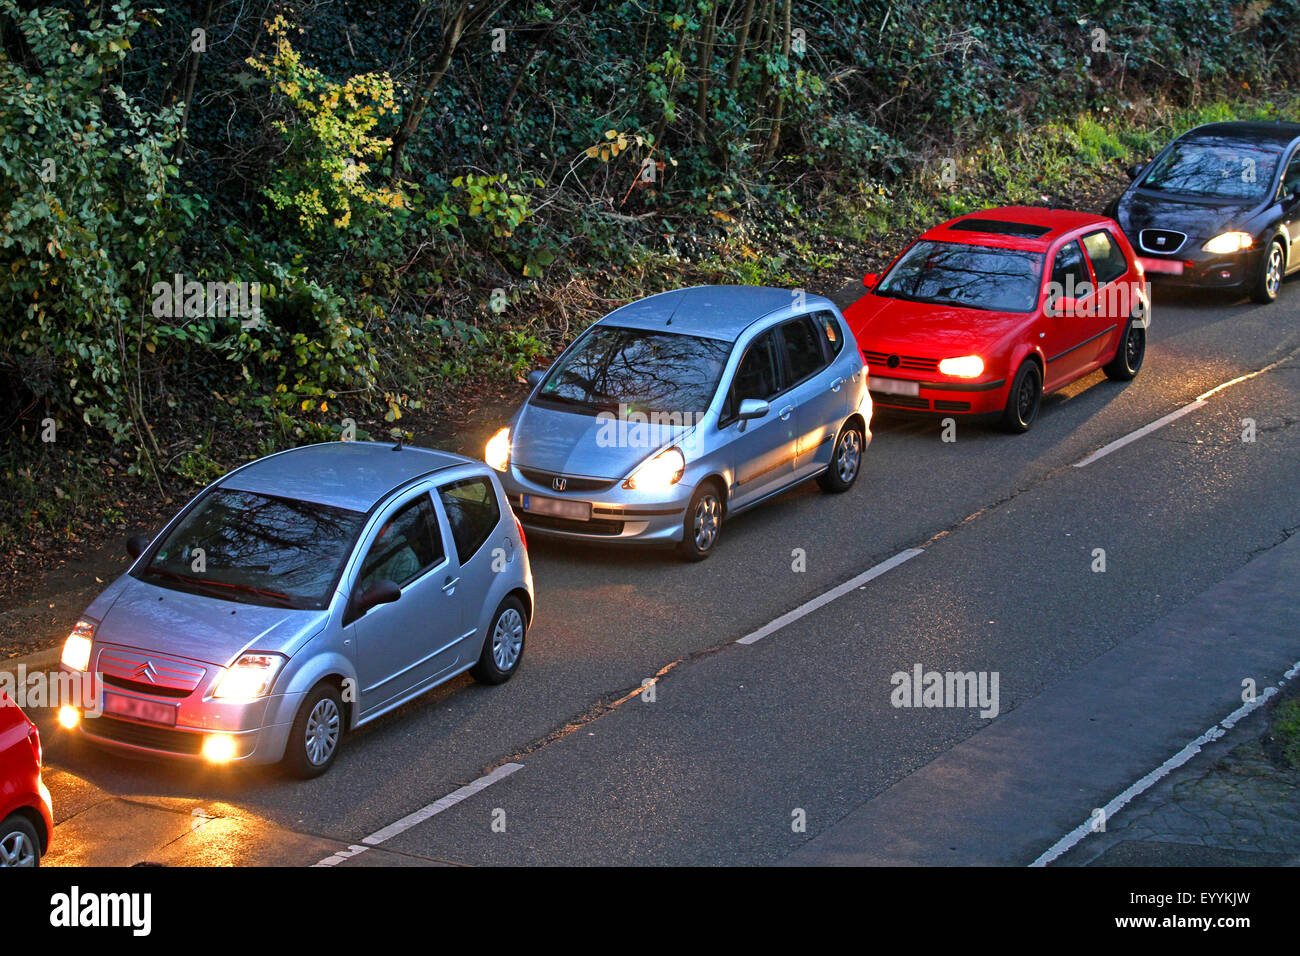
x=355 y=475
x=714 y=311
x=1048 y=224
x=1258 y=132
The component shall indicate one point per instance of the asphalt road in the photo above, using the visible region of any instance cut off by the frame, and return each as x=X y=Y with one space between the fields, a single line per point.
x=749 y=753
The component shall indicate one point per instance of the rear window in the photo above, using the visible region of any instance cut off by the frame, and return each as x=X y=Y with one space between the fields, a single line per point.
x=472 y=512
x=831 y=331
x=1108 y=262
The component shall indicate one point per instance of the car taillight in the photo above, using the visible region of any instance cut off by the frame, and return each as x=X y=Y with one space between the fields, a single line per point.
x=522 y=538
x=34 y=738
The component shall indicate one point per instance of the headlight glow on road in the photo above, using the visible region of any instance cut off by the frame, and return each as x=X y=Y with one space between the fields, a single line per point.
x=967 y=366
x=662 y=471
x=497 y=453
x=76 y=649
x=250 y=677
x=1228 y=242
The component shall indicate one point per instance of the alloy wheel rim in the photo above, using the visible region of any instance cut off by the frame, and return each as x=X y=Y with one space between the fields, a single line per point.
x=16 y=849
x=508 y=639
x=706 y=522
x=322 y=731
x=1273 y=280
x=1027 y=399
x=850 y=455
x=1134 y=347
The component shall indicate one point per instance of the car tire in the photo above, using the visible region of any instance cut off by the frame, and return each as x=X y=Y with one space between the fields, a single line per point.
x=1128 y=357
x=317 y=733
x=19 y=843
x=503 y=648
x=703 y=522
x=1272 y=268
x=846 y=460
x=1023 y=399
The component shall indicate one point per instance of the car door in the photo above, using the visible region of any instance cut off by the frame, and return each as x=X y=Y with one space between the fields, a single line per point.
x=472 y=514
x=1063 y=333
x=1290 y=194
x=1111 y=304
x=818 y=396
x=401 y=645
x=761 y=451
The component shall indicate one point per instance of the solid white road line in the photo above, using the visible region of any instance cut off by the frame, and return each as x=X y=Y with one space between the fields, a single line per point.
x=424 y=813
x=1076 y=835
x=836 y=592
x=1119 y=443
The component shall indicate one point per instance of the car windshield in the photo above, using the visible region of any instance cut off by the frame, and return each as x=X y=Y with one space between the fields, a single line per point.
x=662 y=373
x=256 y=549
x=969 y=276
x=1232 y=171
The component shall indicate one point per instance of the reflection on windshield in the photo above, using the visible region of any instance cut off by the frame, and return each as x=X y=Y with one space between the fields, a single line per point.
x=256 y=549
x=639 y=371
x=1227 y=171
x=969 y=276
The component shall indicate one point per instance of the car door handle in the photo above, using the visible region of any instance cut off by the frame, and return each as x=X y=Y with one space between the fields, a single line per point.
x=835 y=385
x=785 y=412
x=450 y=585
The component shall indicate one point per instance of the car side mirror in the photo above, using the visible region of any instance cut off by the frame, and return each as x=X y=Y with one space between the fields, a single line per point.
x=751 y=408
x=535 y=377
x=381 y=592
x=1135 y=170
x=870 y=279
x=135 y=545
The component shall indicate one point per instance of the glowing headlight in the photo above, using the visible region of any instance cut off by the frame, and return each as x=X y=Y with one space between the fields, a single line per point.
x=1229 y=242
x=662 y=471
x=968 y=366
x=218 y=748
x=497 y=453
x=76 y=649
x=249 y=677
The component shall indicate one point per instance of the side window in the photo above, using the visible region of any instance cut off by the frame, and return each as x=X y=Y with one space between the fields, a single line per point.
x=1291 y=181
x=831 y=331
x=1070 y=274
x=408 y=544
x=1108 y=262
x=803 y=348
x=758 y=375
x=472 y=512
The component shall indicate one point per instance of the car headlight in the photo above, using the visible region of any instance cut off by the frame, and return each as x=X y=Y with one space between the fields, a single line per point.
x=967 y=366
x=250 y=677
x=497 y=452
x=1229 y=242
x=76 y=649
x=662 y=471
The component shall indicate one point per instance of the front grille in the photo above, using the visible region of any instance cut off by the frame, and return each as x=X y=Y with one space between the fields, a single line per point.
x=144 y=735
x=879 y=362
x=1161 y=242
x=899 y=401
x=571 y=483
x=152 y=689
x=596 y=526
x=944 y=405
x=155 y=672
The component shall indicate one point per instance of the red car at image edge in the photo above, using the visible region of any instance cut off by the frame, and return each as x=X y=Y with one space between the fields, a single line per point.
x=26 y=814
x=986 y=313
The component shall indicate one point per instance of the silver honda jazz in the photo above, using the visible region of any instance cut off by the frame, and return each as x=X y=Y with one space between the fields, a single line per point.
x=680 y=409
x=300 y=596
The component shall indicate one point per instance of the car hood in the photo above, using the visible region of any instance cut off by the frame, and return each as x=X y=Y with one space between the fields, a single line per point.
x=202 y=628
x=883 y=324
x=580 y=444
x=1200 y=219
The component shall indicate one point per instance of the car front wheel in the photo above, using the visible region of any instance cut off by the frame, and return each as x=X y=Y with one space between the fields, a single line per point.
x=19 y=844
x=316 y=734
x=1023 y=399
x=703 y=523
x=1271 y=269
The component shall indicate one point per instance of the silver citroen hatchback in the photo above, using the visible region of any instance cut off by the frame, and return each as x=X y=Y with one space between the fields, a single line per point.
x=299 y=596
x=677 y=410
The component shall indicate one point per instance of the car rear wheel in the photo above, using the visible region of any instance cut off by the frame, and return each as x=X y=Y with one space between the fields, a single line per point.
x=316 y=734
x=504 y=647
x=1128 y=357
x=1271 y=268
x=19 y=844
x=1024 y=398
x=846 y=460
x=703 y=522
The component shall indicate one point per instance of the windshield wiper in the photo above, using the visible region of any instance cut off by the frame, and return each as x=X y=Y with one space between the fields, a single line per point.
x=277 y=596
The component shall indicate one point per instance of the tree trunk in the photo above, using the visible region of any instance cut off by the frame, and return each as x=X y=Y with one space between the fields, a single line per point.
x=705 y=68
x=742 y=35
x=774 y=138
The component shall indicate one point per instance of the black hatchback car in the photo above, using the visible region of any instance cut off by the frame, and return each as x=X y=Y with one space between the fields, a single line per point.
x=1218 y=207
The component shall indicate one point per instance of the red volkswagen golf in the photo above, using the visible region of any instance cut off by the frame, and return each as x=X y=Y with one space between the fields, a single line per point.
x=26 y=821
x=985 y=314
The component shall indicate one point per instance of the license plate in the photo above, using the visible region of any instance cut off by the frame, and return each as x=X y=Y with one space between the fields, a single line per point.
x=558 y=508
x=1167 y=266
x=893 y=386
x=137 y=709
